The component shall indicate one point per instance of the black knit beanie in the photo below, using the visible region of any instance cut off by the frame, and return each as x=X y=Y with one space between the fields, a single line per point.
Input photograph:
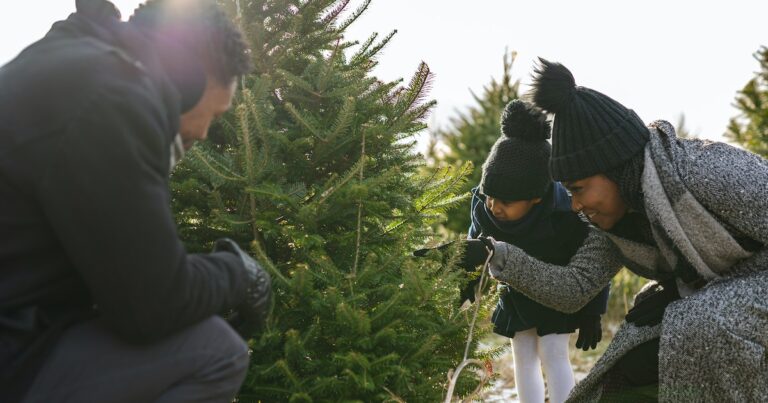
x=592 y=133
x=517 y=168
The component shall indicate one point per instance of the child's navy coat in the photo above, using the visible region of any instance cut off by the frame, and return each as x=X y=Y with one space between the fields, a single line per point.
x=550 y=232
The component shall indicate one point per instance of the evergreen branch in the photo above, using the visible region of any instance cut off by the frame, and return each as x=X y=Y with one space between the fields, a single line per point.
x=300 y=119
x=346 y=178
x=363 y=48
x=232 y=221
x=380 y=311
x=454 y=182
x=454 y=375
x=328 y=67
x=320 y=156
x=259 y=120
x=266 y=261
x=257 y=239
x=346 y=115
x=443 y=205
x=227 y=127
x=419 y=113
x=369 y=54
x=359 y=212
x=426 y=347
x=298 y=82
x=393 y=396
x=360 y=10
x=420 y=84
x=198 y=155
x=334 y=13
x=269 y=193
x=428 y=179
x=242 y=117
x=283 y=366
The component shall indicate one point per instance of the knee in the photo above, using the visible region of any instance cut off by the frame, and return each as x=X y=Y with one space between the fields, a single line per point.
x=554 y=348
x=222 y=341
x=686 y=318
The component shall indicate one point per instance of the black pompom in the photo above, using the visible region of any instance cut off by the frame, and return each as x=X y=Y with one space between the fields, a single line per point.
x=524 y=120
x=553 y=86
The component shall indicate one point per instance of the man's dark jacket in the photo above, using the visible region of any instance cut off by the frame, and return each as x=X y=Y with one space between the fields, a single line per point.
x=87 y=118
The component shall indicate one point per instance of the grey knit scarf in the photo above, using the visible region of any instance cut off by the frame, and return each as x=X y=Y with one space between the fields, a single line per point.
x=681 y=226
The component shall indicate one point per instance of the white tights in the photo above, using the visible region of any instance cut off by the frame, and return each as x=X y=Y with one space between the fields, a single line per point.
x=531 y=352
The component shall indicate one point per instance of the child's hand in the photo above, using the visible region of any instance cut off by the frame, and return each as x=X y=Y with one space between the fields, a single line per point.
x=590 y=332
x=477 y=251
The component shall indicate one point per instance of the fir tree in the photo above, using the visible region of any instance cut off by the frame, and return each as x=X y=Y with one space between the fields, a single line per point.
x=682 y=131
x=314 y=171
x=472 y=134
x=750 y=128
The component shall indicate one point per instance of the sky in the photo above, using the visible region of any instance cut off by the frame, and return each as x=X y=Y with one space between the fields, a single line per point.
x=661 y=58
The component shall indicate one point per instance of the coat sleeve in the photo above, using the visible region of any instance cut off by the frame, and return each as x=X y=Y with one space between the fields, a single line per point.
x=733 y=185
x=564 y=288
x=106 y=195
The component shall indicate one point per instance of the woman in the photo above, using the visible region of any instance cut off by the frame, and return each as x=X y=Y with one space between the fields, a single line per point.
x=692 y=215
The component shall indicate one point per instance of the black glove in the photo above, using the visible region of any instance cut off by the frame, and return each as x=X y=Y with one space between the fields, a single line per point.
x=590 y=332
x=468 y=292
x=475 y=252
x=649 y=308
x=251 y=315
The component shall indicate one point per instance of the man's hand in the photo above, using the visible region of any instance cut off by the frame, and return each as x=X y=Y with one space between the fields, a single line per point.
x=253 y=312
x=476 y=252
x=590 y=332
x=651 y=303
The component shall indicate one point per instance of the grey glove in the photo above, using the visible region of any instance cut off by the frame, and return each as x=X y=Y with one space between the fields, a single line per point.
x=251 y=315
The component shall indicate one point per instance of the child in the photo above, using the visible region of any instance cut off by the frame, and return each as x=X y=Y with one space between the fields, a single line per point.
x=517 y=202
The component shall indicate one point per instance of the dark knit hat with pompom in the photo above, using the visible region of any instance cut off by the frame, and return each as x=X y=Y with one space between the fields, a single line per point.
x=592 y=133
x=517 y=168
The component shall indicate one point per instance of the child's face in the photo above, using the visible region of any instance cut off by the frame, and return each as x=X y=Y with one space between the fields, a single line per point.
x=510 y=210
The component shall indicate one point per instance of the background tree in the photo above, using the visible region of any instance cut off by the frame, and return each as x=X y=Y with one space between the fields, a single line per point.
x=682 y=131
x=314 y=171
x=750 y=128
x=470 y=136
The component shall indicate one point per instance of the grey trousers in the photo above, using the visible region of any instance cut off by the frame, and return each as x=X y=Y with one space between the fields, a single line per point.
x=206 y=362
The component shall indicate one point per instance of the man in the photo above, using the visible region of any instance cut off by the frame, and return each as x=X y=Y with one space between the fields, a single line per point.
x=99 y=301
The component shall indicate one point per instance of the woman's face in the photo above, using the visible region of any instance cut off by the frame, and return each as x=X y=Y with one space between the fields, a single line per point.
x=510 y=210
x=599 y=199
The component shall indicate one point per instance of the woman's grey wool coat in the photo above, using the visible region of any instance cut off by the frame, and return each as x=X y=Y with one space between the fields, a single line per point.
x=706 y=201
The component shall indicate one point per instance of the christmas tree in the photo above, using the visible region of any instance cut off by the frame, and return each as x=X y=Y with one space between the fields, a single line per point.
x=314 y=172
x=472 y=134
x=750 y=128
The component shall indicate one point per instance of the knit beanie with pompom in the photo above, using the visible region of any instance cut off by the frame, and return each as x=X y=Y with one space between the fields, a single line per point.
x=517 y=167
x=591 y=133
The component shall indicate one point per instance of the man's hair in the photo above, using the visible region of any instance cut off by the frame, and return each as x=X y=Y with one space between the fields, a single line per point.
x=202 y=27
